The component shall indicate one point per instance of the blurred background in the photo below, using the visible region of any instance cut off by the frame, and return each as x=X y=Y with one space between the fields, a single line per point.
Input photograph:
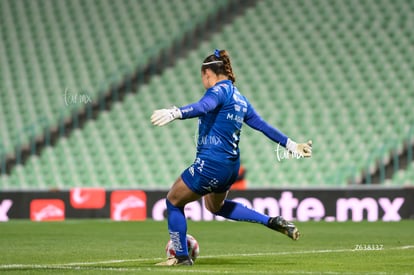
x=80 y=79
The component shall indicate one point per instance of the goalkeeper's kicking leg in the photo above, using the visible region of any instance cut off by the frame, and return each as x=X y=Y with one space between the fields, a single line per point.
x=218 y=205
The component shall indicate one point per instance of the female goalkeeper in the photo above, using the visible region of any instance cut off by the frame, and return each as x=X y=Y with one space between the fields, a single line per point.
x=221 y=113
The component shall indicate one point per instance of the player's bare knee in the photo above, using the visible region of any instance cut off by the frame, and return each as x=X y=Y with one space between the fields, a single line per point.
x=213 y=208
x=172 y=198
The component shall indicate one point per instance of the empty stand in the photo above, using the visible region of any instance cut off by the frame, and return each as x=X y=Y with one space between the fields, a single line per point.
x=337 y=72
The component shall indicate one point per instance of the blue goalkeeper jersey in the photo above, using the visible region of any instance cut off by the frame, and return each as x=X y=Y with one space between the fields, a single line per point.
x=221 y=112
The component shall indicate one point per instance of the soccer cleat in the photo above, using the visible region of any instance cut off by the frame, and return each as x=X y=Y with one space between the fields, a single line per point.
x=176 y=261
x=281 y=225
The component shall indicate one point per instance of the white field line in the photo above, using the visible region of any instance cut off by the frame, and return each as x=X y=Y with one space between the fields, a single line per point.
x=90 y=265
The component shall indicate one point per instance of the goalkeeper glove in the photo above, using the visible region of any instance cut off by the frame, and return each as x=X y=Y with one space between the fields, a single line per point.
x=301 y=149
x=162 y=117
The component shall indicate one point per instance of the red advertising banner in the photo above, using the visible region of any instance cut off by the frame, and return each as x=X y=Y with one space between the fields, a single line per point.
x=47 y=210
x=87 y=198
x=128 y=205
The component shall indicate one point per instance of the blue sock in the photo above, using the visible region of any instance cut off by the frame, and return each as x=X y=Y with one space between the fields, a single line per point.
x=177 y=227
x=238 y=212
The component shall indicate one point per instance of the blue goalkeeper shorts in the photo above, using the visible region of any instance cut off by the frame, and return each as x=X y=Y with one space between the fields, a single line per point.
x=206 y=176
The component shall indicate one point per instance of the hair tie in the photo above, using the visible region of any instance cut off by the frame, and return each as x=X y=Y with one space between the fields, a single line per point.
x=217 y=53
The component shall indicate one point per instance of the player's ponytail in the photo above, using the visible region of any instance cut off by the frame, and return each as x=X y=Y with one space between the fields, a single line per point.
x=219 y=63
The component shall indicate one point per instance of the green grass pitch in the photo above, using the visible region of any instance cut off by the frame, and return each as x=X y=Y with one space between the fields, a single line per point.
x=107 y=247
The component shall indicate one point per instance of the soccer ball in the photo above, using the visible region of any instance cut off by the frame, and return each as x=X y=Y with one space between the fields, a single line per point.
x=192 y=244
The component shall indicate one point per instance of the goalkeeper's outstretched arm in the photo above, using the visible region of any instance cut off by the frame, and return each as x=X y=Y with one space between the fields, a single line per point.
x=207 y=103
x=255 y=121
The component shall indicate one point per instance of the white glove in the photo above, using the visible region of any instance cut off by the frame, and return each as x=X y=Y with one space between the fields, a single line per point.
x=162 y=117
x=299 y=149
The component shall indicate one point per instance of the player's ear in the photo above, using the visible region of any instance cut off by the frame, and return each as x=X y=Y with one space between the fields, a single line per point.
x=211 y=74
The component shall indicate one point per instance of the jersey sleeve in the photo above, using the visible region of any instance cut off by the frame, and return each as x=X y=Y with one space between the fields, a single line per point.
x=255 y=121
x=211 y=99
